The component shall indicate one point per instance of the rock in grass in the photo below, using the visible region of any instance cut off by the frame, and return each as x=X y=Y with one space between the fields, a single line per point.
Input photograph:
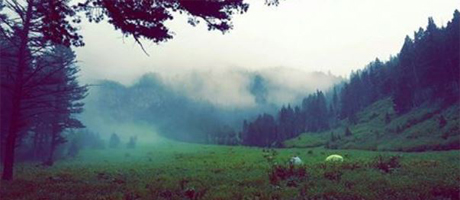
x=334 y=158
x=296 y=160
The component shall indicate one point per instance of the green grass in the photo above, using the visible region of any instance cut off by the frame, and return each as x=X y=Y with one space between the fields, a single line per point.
x=173 y=170
x=307 y=140
x=417 y=130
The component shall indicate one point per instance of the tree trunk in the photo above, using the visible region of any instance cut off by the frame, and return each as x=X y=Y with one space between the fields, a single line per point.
x=8 y=161
x=54 y=132
x=53 y=144
x=15 y=120
x=37 y=143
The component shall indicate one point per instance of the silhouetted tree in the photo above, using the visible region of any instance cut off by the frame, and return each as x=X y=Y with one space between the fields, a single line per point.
x=387 y=118
x=146 y=19
x=348 y=132
x=132 y=142
x=35 y=26
x=61 y=93
x=262 y=132
x=333 y=137
x=114 y=141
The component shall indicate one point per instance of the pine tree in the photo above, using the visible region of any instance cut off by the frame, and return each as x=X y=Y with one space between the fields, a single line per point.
x=114 y=141
x=348 y=132
x=387 y=118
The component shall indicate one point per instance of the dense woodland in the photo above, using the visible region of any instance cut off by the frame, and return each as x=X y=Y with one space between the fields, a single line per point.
x=426 y=70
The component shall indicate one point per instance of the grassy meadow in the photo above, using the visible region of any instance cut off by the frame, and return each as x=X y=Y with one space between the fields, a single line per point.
x=174 y=170
x=378 y=128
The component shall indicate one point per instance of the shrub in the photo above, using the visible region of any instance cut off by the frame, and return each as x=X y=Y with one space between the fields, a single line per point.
x=351 y=165
x=270 y=155
x=288 y=174
x=333 y=174
x=387 y=164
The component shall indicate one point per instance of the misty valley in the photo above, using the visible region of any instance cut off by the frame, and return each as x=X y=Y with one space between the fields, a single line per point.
x=387 y=130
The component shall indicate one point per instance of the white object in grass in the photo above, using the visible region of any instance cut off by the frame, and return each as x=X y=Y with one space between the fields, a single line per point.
x=334 y=158
x=296 y=160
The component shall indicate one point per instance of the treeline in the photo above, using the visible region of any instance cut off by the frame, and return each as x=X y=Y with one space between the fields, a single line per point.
x=50 y=96
x=426 y=69
x=267 y=130
x=85 y=139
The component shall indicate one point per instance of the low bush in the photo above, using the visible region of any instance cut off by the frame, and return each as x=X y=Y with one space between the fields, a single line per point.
x=288 y=175
x=386 y=164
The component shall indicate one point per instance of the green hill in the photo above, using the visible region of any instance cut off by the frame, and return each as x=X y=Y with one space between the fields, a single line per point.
x=377 y=127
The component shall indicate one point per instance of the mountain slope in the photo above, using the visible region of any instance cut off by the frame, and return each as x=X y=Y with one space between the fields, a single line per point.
x=428 y=127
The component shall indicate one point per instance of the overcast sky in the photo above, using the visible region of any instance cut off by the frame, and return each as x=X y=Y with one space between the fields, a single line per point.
x=312 y=35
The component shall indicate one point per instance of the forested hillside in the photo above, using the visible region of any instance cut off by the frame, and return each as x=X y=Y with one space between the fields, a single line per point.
x=379 y=127
x=423 y=78
x=188 y=109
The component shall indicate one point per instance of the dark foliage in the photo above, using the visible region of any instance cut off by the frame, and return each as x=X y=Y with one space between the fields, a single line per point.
x=40 y=77
x=387 y=118
x=262 y=132
x=146 y=19
x=426 y=69
x=268 y=131
x=288 y=175
x=348 y=132
x=332 y=143
x=333 y=174
x=387 y=164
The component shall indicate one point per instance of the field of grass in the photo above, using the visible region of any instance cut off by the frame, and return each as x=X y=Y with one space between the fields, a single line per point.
x=173 y=170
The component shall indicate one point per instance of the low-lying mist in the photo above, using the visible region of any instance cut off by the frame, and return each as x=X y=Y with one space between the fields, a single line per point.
x=196 y=106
